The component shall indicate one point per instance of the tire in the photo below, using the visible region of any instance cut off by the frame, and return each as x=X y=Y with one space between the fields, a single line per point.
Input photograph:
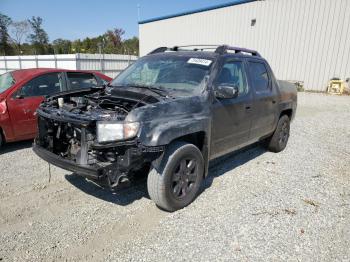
x=1 y=139
x=279 y=139
x=174 y=181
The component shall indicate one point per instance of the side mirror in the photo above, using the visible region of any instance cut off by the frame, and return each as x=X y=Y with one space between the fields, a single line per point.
x=226 y=91
x=19 y=96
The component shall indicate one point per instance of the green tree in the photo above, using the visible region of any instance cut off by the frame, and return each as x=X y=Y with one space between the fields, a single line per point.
x=86 y=45
x=27 y=49
x=111 y=42
x=132 y=45
x=5 y=47
x=76 y=46
x=62 y=46
x=39 y=38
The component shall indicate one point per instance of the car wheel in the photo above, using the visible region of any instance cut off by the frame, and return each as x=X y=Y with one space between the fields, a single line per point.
x=279 y=139
x=174 y=182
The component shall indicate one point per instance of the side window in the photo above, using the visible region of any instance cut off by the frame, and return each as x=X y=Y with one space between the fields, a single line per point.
x=259 y=76
x=44 y=85
x=232 y=74
x=81 y=80
x=101 y=80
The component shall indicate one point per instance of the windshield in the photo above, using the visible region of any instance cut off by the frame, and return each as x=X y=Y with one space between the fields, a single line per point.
x=6 y=81
x=177 y=74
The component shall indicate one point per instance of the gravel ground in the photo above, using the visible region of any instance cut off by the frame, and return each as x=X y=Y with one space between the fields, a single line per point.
x=255 y=205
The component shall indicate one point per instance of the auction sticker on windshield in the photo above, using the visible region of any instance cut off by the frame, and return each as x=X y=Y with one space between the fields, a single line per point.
x=199 y=61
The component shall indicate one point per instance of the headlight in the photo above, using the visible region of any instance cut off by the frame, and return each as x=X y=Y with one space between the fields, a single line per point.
x=109 y=131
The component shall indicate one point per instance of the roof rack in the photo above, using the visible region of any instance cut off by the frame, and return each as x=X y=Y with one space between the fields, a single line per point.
x=224 y=48
x=219 y=49
x=183 y=48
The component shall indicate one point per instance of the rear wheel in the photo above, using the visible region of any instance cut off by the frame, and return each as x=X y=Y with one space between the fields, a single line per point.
x=279 y=139
x=175 y=183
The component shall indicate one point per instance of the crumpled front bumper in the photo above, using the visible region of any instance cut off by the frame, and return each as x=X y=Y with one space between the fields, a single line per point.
x=82 y=170
x=133 y=157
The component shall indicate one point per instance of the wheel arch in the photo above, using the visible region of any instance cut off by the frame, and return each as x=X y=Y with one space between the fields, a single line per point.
x=200 y=140
x=288 y=112
x=197 y=139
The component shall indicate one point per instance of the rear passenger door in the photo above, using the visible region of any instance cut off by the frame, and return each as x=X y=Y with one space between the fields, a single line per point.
x=81 y=80
x=265 y=99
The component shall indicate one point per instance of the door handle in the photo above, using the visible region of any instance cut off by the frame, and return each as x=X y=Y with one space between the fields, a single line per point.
x=26 y=111
x=248 y=107
x=273 y=101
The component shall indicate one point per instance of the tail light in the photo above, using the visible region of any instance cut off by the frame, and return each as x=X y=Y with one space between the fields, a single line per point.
x=3 y=107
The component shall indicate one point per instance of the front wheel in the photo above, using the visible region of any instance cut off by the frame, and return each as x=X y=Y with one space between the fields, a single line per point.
x=279 y=139
x=175 y=182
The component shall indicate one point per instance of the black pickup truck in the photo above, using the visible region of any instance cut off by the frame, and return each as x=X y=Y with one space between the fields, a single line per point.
x=166 y=116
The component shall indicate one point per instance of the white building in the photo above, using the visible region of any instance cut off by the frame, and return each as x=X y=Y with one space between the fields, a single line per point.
x=304 y=40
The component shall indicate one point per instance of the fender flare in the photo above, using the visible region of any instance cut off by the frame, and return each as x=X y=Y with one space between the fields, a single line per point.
x=157 y=134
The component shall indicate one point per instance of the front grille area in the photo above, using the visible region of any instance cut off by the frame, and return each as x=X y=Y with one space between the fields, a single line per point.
x=75 y=146
x=66 y=139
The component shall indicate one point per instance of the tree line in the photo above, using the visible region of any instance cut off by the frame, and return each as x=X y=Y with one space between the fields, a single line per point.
x=28 y=37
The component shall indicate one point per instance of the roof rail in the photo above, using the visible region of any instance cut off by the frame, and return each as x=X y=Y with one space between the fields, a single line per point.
x=224 y=48
x=219 y=49
x=183 y=48
x=158 y=50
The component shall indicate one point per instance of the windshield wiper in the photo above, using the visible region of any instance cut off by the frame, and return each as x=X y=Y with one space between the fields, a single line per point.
x=159 y=91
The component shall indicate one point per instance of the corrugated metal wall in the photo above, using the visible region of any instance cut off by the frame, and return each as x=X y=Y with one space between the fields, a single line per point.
x=9 y=63
x=304 y=40
x=109 y=64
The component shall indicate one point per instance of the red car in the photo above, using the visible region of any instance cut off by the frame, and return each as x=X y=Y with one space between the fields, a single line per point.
x=22 y=91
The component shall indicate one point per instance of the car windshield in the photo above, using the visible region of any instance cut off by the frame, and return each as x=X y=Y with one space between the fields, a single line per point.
x=176 y=74
x=6 y=81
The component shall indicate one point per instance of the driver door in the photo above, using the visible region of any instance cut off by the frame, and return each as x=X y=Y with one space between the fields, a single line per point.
x=23 y=103
x=231 y=119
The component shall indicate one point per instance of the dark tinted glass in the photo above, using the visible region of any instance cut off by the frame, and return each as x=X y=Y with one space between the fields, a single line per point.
x=81 y=80
x=232 y=74
x=44 y=85
x=259 y=76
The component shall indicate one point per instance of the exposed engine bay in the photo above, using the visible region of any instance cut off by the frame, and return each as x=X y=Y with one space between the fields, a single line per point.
x=103 y=105
x=67 y=128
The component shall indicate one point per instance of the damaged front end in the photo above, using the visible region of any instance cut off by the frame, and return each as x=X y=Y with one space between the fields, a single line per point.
x=68 y=135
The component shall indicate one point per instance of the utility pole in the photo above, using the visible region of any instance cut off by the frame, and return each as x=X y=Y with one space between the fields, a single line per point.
x=100 y=52
x=102 y=56
x=138 y=13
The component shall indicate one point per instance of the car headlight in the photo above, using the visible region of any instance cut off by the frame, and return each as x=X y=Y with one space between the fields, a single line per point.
x=109 y=131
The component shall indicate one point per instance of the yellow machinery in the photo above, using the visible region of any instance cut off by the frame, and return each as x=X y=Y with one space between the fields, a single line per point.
x=336 y=86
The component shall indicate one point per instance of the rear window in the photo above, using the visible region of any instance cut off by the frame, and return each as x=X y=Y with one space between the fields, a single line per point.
x=6 y=81
x=81 y=80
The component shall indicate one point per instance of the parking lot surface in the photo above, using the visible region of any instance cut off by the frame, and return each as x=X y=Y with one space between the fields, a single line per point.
x=255 y=205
